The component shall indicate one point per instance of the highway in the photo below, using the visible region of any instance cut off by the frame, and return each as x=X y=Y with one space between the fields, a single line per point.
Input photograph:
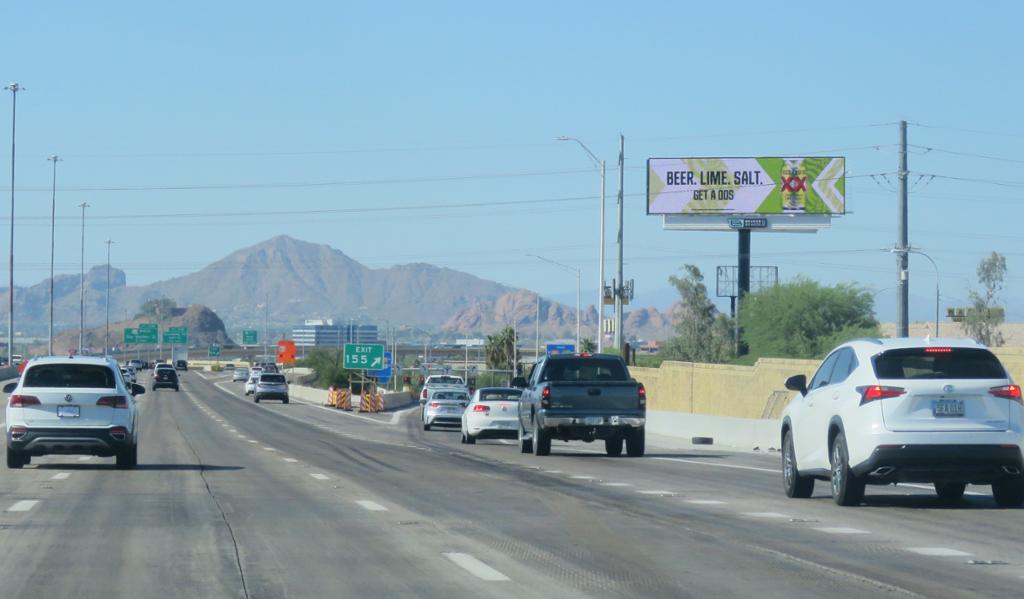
x=237 y=499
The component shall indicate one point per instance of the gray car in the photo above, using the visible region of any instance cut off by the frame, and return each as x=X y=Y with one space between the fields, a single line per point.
x=444 y=406
x=240 y=374
x=271 y=386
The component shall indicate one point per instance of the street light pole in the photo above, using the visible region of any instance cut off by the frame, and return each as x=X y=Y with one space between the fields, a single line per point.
x=14 y=88
x=600 y=257
x=106 y=332
x=81 y=290
x=53 y=219
x=619 y=291
x=577 y=271
x=936 y=267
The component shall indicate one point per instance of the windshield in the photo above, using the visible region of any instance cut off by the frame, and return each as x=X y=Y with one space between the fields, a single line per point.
x=69 y=375
x=446 y=380
x=938 y=363
x=500 y=394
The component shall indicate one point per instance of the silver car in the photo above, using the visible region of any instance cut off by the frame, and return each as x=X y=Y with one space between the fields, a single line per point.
x=271 y=386
x=444 y=406
x=240 y=374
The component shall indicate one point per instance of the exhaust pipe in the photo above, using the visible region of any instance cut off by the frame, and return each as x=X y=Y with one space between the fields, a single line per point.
x=1011 y=470
x=882 y=471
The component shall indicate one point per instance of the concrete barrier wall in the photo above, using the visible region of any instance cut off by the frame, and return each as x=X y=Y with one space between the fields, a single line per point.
x=391 y=400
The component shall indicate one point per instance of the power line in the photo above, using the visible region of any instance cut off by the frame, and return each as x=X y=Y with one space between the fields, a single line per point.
x=928 y=149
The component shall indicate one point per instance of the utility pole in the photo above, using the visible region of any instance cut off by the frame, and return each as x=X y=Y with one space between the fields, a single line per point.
x=536 y=347
x=14 y=88
x=620 y=286
x=81 y=290
x=53 y=221
x=902 y=244
x=266 y=322
x=106 y=332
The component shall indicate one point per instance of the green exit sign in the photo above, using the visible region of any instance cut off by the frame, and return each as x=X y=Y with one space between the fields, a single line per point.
x=364 y=356
x=214 y=351
x=250 y=337
x=131 y=336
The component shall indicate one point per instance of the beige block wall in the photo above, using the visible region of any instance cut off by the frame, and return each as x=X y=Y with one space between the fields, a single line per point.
x=745 y=391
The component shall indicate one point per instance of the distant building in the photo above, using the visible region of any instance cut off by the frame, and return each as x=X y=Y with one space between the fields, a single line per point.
x=324 y=333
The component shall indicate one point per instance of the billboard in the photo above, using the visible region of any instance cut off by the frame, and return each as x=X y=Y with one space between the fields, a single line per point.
x=767 y=185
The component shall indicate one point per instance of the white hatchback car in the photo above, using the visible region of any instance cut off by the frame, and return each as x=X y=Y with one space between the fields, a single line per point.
x=443 y=406
x=882 y=411
x=492 y=413
x=72 y=406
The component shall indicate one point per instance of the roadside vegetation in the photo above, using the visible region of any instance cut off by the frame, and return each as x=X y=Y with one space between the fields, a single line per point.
x=984 y=315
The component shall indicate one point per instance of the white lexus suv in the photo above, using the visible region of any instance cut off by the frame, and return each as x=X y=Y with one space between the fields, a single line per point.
x=72 y=406
x=882 y=411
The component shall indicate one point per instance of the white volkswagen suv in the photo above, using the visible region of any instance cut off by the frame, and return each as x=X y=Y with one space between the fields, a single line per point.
x=882 y=411
x=72 y=406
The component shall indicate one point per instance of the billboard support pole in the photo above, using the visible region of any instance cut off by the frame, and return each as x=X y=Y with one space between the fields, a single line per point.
x=902 y=273
x=742 y=286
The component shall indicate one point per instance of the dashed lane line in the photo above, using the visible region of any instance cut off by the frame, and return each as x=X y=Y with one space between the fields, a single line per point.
x=937 y=552
x=23 y=506
x=319 y=476
x=60 y=476
x=616 y=485
x=841 y=530
x=371 y=506
x=770 y=515
x=269 y=449
x=291 y=460
x=714 y=465
x=476 y=567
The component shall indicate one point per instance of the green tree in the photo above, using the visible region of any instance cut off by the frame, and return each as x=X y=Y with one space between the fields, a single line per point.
x=160 y=309
x=804 y=319
x=984 y=314
x=702 y=333
x=327 y=364
x=587 y=345
x=499 y=349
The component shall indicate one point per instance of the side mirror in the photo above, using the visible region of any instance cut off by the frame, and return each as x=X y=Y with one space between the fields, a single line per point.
x=10 y=387
x=288 y=381
x=797 y=382
x=519 y=382
x=138 y=389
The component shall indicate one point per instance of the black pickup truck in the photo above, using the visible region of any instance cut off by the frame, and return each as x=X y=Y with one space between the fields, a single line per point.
x=581 y=397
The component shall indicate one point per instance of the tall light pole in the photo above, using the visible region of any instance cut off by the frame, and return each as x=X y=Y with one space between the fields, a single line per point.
x=620 y=289
x=53 y=219
x=106 y=332
x=81 y=288
x=577 y=271
x=910 y=250
x=14 y=88
x=600 y=257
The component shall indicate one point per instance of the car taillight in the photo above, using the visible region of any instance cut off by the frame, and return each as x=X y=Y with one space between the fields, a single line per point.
x=18 y=432
x=435 y=404
x=21 y=401
x=481 y=408
x=119 y=433
x=423 y=395
x=642 y=392
x=113 y=401
x=1009 y=392
x=545 y=397
x=873 y=392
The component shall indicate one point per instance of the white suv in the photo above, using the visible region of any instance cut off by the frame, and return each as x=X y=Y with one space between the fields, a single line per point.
x=882 y=411
x=72 y=406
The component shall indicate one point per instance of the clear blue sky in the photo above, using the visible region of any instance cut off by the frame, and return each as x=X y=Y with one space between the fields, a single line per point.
x=409 y=104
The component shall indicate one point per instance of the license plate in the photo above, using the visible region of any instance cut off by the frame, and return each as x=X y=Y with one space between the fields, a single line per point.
x=593 y=420
x=948 y=407
x=68 y=411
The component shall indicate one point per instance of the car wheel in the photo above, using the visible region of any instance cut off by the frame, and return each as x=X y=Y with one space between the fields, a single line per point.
x=285 y=400
x=541 y=442
x=636 y=443
x=950 y=492
x=426 y=426
x=256 y=398
x=847 y=488
x=795 y=485
x=470 y=439
x=525 y=445
x=15 y=459
x=1009 y=492
x=613 y=446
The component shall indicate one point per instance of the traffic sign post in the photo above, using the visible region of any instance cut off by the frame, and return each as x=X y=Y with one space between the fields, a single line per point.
x=214 y=350
x=147 y=333
x=364 y=356
x=553 y=349
x=131 y=336
x=383 y=375
x=250 y=337
x=176 y=335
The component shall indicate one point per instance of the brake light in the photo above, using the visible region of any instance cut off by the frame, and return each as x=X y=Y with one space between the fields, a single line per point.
x=874 y=392
x=1008 y=392
x=938 y=350
x=584 y=355
x=642 y=393
x=435 y=404
x=481 y=408
x=17 y=432
x=545 y=397
x=113 y=401
x=22 y=401
x=119 y=433
x=423 y=395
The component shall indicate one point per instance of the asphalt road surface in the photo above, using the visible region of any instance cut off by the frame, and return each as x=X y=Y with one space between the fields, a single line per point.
x=237 y=499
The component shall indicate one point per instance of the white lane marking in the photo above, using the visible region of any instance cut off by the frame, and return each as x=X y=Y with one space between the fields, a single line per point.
x=251 y=440
x=582 y=477
x=705 y=502
x=241 y=436
x=937 y=551
x=372 y=506
x=737 y=467
x=60 y=476
x=23 y=505
x=552 y=471
x=765 y=515
x=508 y=442
x=841 y=530
x=616 y=485
x=655 y=492
x=476 y=567
x=84 y=458
x=319 y=476
x=269 y=449
x=291 y=460
x=932 y=488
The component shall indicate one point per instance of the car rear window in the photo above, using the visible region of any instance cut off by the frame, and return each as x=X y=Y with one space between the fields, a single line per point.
x=938 y=363
x=502 y=395
x=450 y=395
x=585 y=369
x=445 y=380
x=165 y=374
x=69 y=375
x=272 y=378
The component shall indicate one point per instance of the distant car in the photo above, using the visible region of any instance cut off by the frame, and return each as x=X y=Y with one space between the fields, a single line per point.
x=229 y=366
x=128 y=373
x=72 y=406
x=883 y=411
x=17 y=359
x=444 y=406
x=137 y=364
x=180 y=365
x=240 y=374
x=165 y=377
x=493 y=412
x=250 y=384
x=442 y=381
x=271 y=386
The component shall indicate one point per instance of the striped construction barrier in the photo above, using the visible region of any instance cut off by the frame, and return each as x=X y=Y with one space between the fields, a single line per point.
x=378 y=402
